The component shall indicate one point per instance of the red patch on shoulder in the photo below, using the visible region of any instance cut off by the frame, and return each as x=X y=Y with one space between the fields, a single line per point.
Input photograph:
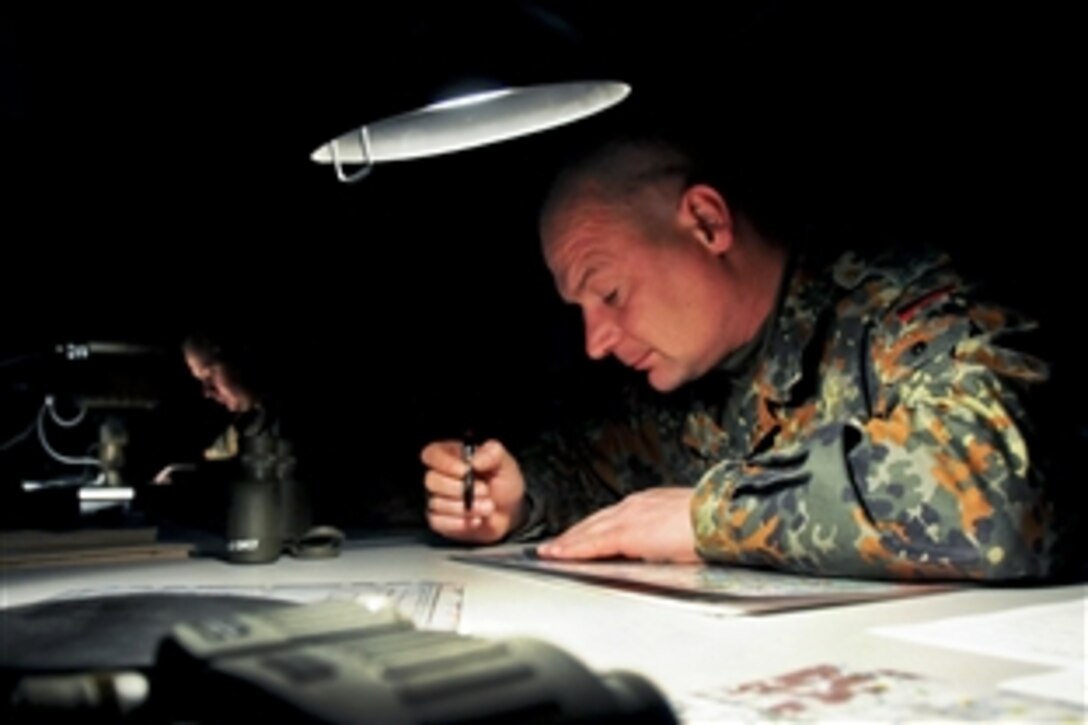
x=907 y=312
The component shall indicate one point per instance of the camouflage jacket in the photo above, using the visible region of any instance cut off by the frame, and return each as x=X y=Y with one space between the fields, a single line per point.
x=880 y=432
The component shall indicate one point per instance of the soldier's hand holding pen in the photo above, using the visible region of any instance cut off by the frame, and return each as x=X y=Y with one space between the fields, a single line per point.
x=474 y=493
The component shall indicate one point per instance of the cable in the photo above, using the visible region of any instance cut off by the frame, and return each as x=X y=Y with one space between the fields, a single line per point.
x=57 y=456
x=18 y=437
x=71 y=422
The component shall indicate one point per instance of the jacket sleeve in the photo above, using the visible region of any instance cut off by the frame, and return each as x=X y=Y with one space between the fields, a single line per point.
x=937 y=481
x=576 y=470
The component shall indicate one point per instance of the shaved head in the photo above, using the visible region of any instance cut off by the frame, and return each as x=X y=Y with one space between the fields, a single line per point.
x=643 y=178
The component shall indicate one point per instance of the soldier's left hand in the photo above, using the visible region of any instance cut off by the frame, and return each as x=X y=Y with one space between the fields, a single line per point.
x=654 y=525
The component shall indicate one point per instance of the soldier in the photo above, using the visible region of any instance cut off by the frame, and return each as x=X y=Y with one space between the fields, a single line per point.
x=854 y=418
x=220 y=377
x=237 y=368
x=233 y=371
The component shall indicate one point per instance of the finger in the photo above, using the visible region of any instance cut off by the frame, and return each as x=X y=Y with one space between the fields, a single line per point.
x=587 y=531
x=592 y=523
x=453 y=489
x=456 y=507
x=438 y=484
x=454 y=527
x=600 y=544
x=444 y=457
x=595 y=537
x=489 y=456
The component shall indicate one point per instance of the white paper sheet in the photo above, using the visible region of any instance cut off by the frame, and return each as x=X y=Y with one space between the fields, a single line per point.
x=1068 y=685
x=1049 y=634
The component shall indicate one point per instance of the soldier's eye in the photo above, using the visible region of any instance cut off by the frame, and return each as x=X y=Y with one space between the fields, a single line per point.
x=612 y=297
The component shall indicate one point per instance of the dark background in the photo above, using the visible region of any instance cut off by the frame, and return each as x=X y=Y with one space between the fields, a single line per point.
x=156 y=177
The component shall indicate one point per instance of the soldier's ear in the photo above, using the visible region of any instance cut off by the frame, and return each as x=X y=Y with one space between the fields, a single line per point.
x=704 y=214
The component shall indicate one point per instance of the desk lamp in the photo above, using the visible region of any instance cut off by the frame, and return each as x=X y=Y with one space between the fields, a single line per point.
x=466 y=122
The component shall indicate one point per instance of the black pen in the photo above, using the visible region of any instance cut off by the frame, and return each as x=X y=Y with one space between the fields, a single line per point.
x=468 y=484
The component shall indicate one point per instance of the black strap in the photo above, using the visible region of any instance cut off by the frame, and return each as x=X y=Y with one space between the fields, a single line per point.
x=320 y=542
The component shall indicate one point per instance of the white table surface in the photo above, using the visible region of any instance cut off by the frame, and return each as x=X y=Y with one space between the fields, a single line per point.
x=681 y=649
